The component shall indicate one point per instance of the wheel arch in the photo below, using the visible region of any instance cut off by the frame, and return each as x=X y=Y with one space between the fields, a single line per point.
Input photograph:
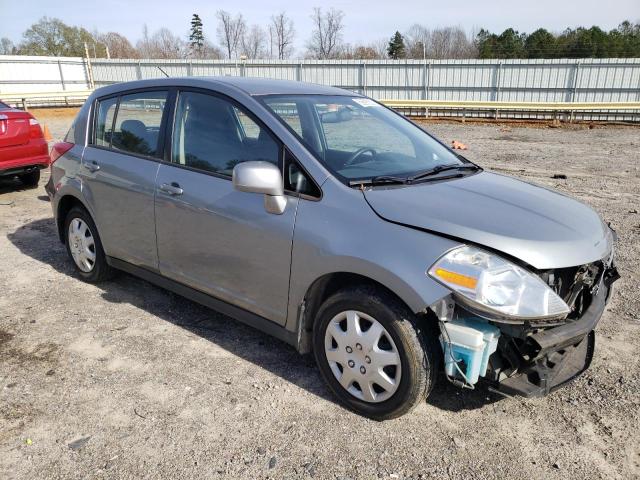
x=65 y=204
x=325 y=286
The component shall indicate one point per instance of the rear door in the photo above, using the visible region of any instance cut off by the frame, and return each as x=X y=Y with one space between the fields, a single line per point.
x=119 y=169
x=211 y=236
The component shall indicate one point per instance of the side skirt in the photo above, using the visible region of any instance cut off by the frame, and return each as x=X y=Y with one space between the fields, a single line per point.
x=237 y=313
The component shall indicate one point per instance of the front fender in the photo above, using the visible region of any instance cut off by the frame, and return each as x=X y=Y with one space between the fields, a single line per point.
x=341 y=233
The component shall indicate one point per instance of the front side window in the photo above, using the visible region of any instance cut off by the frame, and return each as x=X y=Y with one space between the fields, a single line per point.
x=212 y=134
x=138 y=120
x=356 y=138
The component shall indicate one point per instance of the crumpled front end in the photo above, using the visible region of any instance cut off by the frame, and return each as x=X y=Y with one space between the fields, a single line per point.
x=534 y=357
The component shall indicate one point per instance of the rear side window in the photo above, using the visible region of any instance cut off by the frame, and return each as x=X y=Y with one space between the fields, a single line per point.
x=104 y=121
x=137 y=126
x=213 y=135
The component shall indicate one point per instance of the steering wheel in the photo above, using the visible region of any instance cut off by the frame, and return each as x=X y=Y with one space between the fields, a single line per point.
x=357 y=154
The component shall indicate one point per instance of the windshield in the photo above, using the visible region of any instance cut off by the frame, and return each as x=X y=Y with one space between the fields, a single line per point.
x=356 y=138
x=4 y=106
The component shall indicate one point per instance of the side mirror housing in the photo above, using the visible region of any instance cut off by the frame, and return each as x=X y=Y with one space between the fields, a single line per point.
x=264 y=178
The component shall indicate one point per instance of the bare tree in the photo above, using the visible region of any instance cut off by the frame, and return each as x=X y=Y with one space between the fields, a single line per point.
x=230 y=32
x=371 y=51
x=281 y=34
x=162 y=44
x=417 y=41
x=209 y=50
x=7 y=47
x=326 y=37
x=117 y=44
x=143 y=46
x=254 y=42
x=447 y=42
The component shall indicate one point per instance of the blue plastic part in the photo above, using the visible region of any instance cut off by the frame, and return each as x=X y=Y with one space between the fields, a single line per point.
x=490 y=334
x=472 y=361
x=475 y=361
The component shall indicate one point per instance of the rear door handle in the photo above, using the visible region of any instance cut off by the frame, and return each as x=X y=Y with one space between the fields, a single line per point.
x=172 y=189
x=92 y=166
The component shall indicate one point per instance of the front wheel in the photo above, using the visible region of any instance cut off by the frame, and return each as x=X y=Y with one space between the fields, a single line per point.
x=372 y=354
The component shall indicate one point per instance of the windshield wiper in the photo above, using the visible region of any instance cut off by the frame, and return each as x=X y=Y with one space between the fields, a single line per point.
x=442 y=168
x=390 y=179
x=379 y=180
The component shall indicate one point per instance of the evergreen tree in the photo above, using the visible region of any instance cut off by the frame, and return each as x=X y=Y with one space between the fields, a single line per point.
x=196 y=38
x=541 y=44
x=396 y=48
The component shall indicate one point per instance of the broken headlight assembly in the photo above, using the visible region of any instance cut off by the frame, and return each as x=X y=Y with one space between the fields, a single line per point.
x=496 y=288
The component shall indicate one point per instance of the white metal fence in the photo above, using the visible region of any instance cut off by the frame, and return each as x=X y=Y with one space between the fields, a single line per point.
x=528 y=80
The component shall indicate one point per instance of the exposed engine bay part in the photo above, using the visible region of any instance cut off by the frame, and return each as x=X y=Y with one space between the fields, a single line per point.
x=529 y=359
x=468 y=343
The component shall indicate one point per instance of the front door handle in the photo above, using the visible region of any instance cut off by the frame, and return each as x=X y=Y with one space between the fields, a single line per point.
x=171 y=188
x=92 y=166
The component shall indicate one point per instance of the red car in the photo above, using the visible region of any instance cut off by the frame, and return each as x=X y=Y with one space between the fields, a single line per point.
x=23 y=148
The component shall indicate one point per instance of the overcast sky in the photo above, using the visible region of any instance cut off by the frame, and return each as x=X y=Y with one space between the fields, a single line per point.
x=365 y=21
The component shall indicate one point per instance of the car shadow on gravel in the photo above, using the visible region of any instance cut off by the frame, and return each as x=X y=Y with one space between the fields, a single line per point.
x=39 y=240
x=13 y=184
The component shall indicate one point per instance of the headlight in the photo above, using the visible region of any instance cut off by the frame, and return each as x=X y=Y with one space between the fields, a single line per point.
x=496 y=286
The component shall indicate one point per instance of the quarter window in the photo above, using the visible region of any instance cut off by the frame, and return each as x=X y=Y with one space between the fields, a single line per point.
x=213 y=135
x=104 y=124
x=288 y=112
x=296 y=179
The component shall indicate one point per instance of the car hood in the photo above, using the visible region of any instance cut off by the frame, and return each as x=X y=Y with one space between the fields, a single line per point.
x=538 y=226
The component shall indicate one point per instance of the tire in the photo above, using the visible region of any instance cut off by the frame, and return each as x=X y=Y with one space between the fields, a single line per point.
x=416 y=351
x=30 y=179
x=81 y=244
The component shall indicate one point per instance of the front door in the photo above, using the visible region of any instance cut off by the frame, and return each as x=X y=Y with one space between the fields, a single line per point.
x=210 y=236
x=118 y=172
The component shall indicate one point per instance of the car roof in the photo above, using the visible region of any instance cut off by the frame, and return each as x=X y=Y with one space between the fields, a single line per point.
x=267 y=86
x=250 y=85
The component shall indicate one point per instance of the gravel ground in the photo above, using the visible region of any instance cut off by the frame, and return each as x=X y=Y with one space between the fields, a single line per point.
x=125 y=380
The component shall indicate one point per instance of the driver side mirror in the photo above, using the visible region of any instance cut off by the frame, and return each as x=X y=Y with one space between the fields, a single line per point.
x=264 y=178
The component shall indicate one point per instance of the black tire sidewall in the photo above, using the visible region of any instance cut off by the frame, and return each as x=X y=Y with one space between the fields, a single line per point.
x=390 y=313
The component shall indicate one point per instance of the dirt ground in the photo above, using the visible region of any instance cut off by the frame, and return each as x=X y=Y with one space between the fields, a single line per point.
x=125 y=380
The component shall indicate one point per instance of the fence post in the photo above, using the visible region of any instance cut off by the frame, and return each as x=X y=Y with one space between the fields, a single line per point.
x=496 y=95
x=424 y=79
x=299 y=72
x=363 y=78
x=89 y=69
x=574 y=87
x=61 y=75
x=190 y=69
x=139 y=70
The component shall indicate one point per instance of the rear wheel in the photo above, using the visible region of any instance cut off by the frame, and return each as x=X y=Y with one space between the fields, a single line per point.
x=372 y=354
x=84 y=246
x=30 y=179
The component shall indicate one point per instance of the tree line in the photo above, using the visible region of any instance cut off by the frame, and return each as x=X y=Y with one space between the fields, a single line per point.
x=233 y=38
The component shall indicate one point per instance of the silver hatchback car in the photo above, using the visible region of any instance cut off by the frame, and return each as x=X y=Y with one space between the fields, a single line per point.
x=338 y=226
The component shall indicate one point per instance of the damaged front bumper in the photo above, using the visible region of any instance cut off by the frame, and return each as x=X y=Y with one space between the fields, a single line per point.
x=531 y=358
x=536 y=362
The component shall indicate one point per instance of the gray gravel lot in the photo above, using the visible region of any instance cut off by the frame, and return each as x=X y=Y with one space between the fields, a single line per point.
x=125 y=380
